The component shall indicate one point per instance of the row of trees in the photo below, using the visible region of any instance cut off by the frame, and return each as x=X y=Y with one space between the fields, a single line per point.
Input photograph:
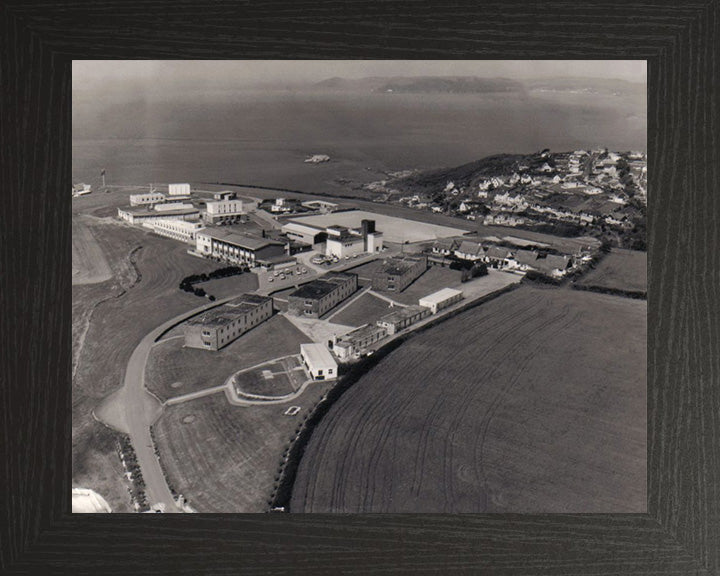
x=187 y=283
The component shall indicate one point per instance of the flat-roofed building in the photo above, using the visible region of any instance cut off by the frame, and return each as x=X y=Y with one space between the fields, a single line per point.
x=344 y=242
x=140 y=215
x=402 y=318
x=224 y=195
x=235 y=248
x=321 y=205
x=304 y=233
x=441 y=299
x=219 y=326
x=318 y=296
x=179 y=189
x=318 y=361
x=173 y=206
x=398 y=272
x=146 y=198
x=223 y=210
x=355 y=343
x=176 y=229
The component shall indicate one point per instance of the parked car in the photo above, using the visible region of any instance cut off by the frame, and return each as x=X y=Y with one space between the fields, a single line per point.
x=270 y=279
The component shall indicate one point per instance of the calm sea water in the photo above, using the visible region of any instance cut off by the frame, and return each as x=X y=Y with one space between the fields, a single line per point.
x=262 y=138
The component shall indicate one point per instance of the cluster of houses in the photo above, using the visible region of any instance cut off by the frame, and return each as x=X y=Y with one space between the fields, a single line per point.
x=582 y=188
x=501 y=257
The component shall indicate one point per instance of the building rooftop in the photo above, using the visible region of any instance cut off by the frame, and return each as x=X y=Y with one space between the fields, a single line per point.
x=240 y=240
x=398 y=265
x=401 y=314
x=141 y=211
x=317 y=355
x=230 y=311
x=316 y=289
x=299 y=226
x=441 y=295
x=358 y=334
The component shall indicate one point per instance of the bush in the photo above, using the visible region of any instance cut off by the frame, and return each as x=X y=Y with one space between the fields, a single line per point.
x=539 y=277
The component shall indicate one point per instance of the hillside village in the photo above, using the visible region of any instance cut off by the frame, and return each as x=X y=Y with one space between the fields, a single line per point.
x=599 y=193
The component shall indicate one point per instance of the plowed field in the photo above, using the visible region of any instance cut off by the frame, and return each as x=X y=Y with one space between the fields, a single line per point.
x=532 y=402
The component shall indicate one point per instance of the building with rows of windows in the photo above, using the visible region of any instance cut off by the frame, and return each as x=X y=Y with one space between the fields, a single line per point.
x=318 y=296
x=218 y=327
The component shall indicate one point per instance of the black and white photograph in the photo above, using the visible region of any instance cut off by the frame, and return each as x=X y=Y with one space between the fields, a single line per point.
x=359 y=286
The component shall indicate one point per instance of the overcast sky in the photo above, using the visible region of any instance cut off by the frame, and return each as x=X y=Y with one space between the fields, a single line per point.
x=263 y=72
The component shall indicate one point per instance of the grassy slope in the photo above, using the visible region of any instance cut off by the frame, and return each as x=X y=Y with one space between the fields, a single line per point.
x=170 y=363
x=620 y=270
x=224 y=458
x=130 y=309
x=534 y=401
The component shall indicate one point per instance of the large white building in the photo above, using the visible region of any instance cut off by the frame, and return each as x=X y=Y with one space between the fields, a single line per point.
x=441 y=299
x=146 y=198
x=223 y=209
x=179 y=189
x=342 y=242
x=318 y=361
x=176 y=229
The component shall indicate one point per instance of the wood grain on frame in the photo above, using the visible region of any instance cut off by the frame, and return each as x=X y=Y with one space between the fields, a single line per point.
x=681 y=533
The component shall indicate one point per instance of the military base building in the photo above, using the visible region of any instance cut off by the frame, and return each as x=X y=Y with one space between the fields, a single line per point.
x=235 y=248
x=318 y=361
x=398 y=272
x=220 y=326
x=318 y=296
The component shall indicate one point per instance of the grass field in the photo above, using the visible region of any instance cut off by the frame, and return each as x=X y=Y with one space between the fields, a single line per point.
x=109 y=319
x=365 y=310
x=532 y=402
x=435 y=278
x=89 y=265
x=278 y=378
x=173 y=370
x=619 y=270
x=225 y=458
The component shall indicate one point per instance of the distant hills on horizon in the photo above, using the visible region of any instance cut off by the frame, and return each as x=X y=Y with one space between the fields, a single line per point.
x=475 y=85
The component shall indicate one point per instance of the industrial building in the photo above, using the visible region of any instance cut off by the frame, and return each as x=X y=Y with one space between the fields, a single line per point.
x=146 y=198
x=398 y=272
x=355 y=343
x=318 y=296
x=441 y=299
x=344 y=242
x=402 y=318
x=176 y=229
x=318 y=361
x=236 y=248
x=221 y=210
x=218 y=327
x=139 y=215
x=304 y=233
x=179 y=189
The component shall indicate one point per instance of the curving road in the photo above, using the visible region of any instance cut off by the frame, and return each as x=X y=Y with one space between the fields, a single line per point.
x=139 y=414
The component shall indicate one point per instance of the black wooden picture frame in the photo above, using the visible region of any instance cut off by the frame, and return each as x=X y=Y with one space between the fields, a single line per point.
x=680 y=534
